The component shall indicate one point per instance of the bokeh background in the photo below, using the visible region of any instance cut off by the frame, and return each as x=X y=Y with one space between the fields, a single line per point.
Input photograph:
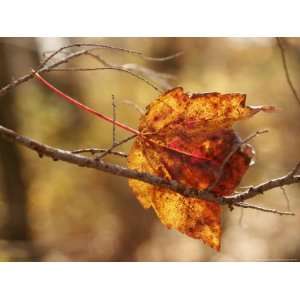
x=53 y=211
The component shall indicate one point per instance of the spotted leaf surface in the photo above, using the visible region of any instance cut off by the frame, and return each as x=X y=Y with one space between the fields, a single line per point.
x=187 y=138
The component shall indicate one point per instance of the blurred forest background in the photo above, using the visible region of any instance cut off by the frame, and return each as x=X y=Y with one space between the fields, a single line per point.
x=53 y=211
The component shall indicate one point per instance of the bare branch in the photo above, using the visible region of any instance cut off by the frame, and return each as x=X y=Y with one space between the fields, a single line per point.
x=296 y=169
x=99 y=59
x=286 y=70
x=263 y=187
x=68 y=156
x=94 y=151
x=139 y=109
x=170 y=57
x=98 y=164
x=286 y=197
x=43 y=68
x=90 y=47
x=114 y=120
x=270 y=210
x=116 y=68
x=102 y=46
x=115 y=145
x=162 y=79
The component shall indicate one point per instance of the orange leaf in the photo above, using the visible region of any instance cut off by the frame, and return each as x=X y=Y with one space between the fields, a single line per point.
x=186 y=138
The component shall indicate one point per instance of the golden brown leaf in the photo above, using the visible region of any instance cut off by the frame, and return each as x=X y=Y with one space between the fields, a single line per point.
x=186 y=138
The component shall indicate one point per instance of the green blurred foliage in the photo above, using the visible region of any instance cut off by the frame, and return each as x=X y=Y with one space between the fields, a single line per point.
x=77 y=214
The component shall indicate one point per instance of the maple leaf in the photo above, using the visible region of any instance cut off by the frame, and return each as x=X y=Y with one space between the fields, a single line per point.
x=187 y=138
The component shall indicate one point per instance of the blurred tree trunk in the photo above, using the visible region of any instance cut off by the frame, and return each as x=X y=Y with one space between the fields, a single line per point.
x=16 y=227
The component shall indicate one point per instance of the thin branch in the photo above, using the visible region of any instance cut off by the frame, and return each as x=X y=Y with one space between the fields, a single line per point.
x=68 y=156
x=123 y=68
x=263 y=187
x=100 y=115
x=80 y=45
x=94 y=151
x=231 y=153
x=114 y=68
x=286 y=70
x=102 y=46
x=286 y=197
x=99 y=59
x=143 y=72
x=270 y=210
x=16 y=82
x=296 y=169
x=43 y=68
x=161 y=79
x=115 y=145
x=114 y=120
x=139 y=109
x=170 y=57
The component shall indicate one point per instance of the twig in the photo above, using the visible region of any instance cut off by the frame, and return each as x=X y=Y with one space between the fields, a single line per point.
x=170 y=57
x=230 y=154
x=43 y=68
x=247 y=187
x=296 y=169
x=99 y=59
x=94 y=151
x=143 y=72
x=99 y=46
x=68 y=156
x=286 y=198
x=161 y=79
x=139 y=109
x=99 y=115
x=123 y=68
x=80 y=45
x=270 y=210
x=286 y=70
x=115 y=145
x=263 y=187
x=114 y=68
x=114 y=120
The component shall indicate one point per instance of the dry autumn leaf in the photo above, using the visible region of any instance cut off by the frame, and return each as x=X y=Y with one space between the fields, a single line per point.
x=187 y=138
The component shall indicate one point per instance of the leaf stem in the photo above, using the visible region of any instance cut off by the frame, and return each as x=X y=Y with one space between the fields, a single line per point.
x=82 y=106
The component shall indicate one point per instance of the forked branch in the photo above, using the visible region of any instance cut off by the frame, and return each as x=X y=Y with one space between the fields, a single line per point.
x=98 y=163
x=45 y=66
x=79 y=160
